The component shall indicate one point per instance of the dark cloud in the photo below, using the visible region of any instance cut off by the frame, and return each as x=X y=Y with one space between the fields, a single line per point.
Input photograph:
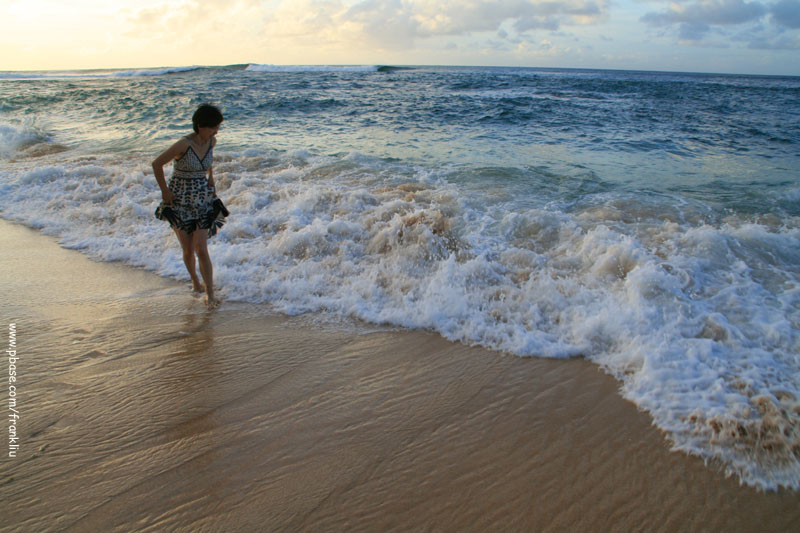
x=786 y=13
x=696 y=19
x=708 y=12
x=693 y=31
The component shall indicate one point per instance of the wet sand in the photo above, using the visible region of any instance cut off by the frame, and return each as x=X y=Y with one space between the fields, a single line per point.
x=142 y=411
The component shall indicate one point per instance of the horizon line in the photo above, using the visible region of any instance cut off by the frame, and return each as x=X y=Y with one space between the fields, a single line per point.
x=399 y=66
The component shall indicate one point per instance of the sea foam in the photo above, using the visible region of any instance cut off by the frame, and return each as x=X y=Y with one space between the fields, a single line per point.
x=123 y=73
x=26 y=139
x=311 y=68
x=699 y=321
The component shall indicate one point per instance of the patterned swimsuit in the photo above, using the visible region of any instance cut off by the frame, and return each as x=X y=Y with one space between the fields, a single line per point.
x=195 y=206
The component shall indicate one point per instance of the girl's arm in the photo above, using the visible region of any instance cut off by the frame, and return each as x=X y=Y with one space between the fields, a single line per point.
x=171 y=153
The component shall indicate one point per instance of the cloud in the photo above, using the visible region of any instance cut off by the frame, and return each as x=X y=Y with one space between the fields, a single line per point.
x=191 y=15
x=397 y=24
x=786 y=13
x=707 y=13
x=695 y=19
x=782 y=42
x=693 y=31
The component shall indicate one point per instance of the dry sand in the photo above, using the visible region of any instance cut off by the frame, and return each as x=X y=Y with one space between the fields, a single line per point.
x=142 y=411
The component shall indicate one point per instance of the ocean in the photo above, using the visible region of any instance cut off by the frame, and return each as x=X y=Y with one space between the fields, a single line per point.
x=646 y=221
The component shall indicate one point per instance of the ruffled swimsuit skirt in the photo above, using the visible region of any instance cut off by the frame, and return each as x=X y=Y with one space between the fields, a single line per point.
x=195 y=206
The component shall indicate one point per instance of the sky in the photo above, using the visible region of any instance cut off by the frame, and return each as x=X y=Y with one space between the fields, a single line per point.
x=733 y=36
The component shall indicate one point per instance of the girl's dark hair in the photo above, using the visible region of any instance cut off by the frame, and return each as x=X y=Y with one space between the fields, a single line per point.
x=206 y=116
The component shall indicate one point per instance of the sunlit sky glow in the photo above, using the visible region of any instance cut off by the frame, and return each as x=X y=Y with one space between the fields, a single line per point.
x=736 y=36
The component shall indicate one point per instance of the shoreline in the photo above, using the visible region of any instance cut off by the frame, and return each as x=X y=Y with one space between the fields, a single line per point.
x=144 y=411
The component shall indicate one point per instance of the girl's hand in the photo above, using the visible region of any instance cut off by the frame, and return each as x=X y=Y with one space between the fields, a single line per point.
x=168 y=197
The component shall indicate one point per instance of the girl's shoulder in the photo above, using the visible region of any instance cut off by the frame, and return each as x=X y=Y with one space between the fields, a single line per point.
x=176 y=151
x=182 y=144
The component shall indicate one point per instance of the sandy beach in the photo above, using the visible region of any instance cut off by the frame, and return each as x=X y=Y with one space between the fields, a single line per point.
x=142 y=411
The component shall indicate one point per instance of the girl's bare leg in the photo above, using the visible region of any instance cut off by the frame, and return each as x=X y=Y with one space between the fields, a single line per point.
x=200 y=244
x=187 y=245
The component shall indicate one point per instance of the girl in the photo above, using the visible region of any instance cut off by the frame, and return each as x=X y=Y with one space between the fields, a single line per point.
x=190 y=203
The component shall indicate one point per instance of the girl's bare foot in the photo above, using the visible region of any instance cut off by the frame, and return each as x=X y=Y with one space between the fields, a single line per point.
x=197 y=286
x=212 y=301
